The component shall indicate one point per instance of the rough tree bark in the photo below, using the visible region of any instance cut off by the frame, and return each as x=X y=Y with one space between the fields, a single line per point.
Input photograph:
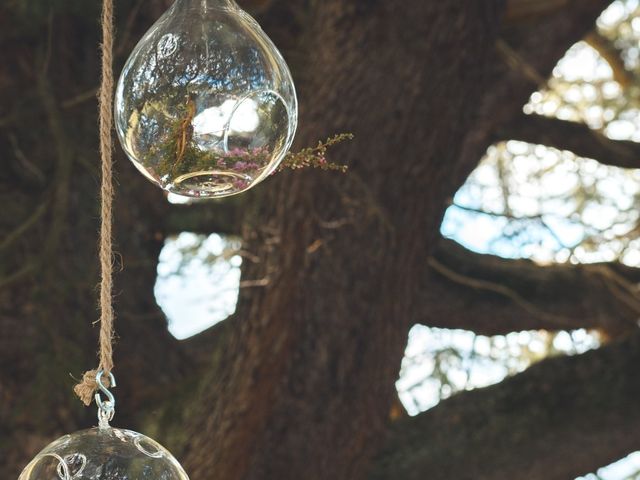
x=299 y=383
x=308 y=363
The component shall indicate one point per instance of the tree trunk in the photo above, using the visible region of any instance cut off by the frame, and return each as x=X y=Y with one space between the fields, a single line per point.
x=315 y=354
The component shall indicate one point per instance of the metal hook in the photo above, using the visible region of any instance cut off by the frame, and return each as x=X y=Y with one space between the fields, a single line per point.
x=106 y=409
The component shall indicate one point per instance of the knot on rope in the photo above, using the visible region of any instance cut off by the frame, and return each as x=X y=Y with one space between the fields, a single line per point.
x=86 y=389
x=88 y=386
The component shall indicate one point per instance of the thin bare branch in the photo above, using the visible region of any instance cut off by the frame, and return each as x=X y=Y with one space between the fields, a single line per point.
x=575 y=137
x=492 y=295
x=613 y=56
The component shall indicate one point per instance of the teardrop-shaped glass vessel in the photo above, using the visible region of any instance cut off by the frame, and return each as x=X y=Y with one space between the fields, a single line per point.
x=205 y=105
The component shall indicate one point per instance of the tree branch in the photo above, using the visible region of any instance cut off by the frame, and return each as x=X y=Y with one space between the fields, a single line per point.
x=527 y=10
x=535 y=36
x=560 y=419
x=575 y=137
x=613 y=56
x=492 y=295
x=11 y=238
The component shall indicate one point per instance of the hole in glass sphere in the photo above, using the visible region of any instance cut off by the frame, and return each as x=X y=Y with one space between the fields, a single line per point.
x=75 y=465
x=211 y=145
x=259 y=127
x=47 y=466
x=146 y=446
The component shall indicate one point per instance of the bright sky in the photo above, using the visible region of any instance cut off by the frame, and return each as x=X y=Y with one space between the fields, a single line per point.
x=197 y=286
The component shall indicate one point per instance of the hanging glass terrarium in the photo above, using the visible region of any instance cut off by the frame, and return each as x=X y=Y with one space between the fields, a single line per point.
x=205 y=105
x=104 y=453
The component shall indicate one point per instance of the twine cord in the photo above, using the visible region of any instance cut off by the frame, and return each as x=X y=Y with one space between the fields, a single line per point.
x=88 y=386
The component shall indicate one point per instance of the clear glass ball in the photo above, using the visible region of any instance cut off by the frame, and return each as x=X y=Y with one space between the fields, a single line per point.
x=104 y=454
x=205 y=105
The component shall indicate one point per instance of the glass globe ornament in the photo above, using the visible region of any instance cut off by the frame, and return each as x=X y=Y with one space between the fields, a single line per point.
x=104 y=453
x=205 y=105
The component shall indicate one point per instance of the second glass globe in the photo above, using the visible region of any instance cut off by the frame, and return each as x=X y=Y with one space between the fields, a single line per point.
x=104 y=454
x=205 y=105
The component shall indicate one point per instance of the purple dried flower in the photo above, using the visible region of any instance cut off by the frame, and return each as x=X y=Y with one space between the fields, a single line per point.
x=240 y=183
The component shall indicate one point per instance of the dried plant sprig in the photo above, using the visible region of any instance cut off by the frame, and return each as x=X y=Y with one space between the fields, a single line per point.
x=316 y=157
x=178 y=154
